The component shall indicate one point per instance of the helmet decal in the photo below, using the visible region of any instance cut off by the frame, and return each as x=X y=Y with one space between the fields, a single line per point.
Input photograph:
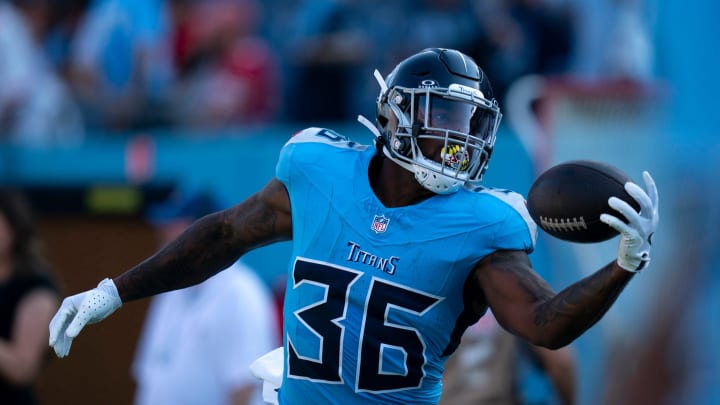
x=455 y=157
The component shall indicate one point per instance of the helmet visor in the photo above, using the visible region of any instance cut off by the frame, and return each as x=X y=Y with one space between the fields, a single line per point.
x=457 y=116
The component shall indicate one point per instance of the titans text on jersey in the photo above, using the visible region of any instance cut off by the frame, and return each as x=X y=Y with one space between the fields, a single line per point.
x=356 y=254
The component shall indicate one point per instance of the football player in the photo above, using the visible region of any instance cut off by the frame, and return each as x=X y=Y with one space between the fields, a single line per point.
x=397 y=248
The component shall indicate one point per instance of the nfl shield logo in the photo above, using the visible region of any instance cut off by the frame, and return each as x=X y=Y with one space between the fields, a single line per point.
x=380 y=223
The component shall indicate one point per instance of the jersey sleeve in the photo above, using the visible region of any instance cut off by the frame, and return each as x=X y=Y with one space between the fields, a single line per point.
x=518 y=231
x=309 y=147
x=282 y=169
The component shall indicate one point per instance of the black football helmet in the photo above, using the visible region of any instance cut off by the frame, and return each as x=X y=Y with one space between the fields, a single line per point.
x=442 y=95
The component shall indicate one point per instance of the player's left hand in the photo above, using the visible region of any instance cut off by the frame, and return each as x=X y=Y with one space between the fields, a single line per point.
x=79 y=310
x=635 y=236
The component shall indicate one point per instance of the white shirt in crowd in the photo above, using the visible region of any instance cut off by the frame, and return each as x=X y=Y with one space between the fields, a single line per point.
x=198 y=342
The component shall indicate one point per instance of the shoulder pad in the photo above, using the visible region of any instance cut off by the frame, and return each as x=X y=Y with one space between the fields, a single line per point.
x=323 y=135
x=517 y=202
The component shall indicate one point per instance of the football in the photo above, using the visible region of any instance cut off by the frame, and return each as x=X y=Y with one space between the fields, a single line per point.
x=567 y=199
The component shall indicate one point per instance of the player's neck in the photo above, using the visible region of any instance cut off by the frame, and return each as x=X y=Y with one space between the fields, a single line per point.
x=393 y=185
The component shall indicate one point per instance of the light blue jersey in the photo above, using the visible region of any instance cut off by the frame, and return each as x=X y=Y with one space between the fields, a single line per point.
x=374 y=301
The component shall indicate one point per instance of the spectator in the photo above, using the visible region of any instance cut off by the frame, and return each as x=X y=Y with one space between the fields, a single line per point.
x=628 y=51
x=198 y=342
x=491 y=366
x=64 y=18
x=228 y=73
x=520 y=37
x=28 y=298
x=120 y=63
x=36 y=106
x=329 y=48
x=444 y=23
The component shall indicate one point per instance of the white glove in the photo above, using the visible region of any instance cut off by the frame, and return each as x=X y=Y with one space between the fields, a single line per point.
x=79 y=310
x=636 y=235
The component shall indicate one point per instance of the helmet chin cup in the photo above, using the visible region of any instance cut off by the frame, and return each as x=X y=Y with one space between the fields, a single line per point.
x=436 y=182
x=430 y=175
x=431 y=180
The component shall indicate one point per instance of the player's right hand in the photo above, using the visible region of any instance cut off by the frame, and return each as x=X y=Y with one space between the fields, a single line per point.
x=79 y=310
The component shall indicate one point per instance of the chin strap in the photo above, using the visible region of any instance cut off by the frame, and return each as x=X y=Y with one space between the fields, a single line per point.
x=369 y=125
x=378 y=136
x=381 y=82
x=366 y=122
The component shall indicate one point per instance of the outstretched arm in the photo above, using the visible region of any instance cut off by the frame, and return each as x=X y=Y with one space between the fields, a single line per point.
x=211 y=244
x=525 y=305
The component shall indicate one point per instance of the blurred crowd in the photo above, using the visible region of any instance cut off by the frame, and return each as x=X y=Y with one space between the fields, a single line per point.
x=74 y=67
